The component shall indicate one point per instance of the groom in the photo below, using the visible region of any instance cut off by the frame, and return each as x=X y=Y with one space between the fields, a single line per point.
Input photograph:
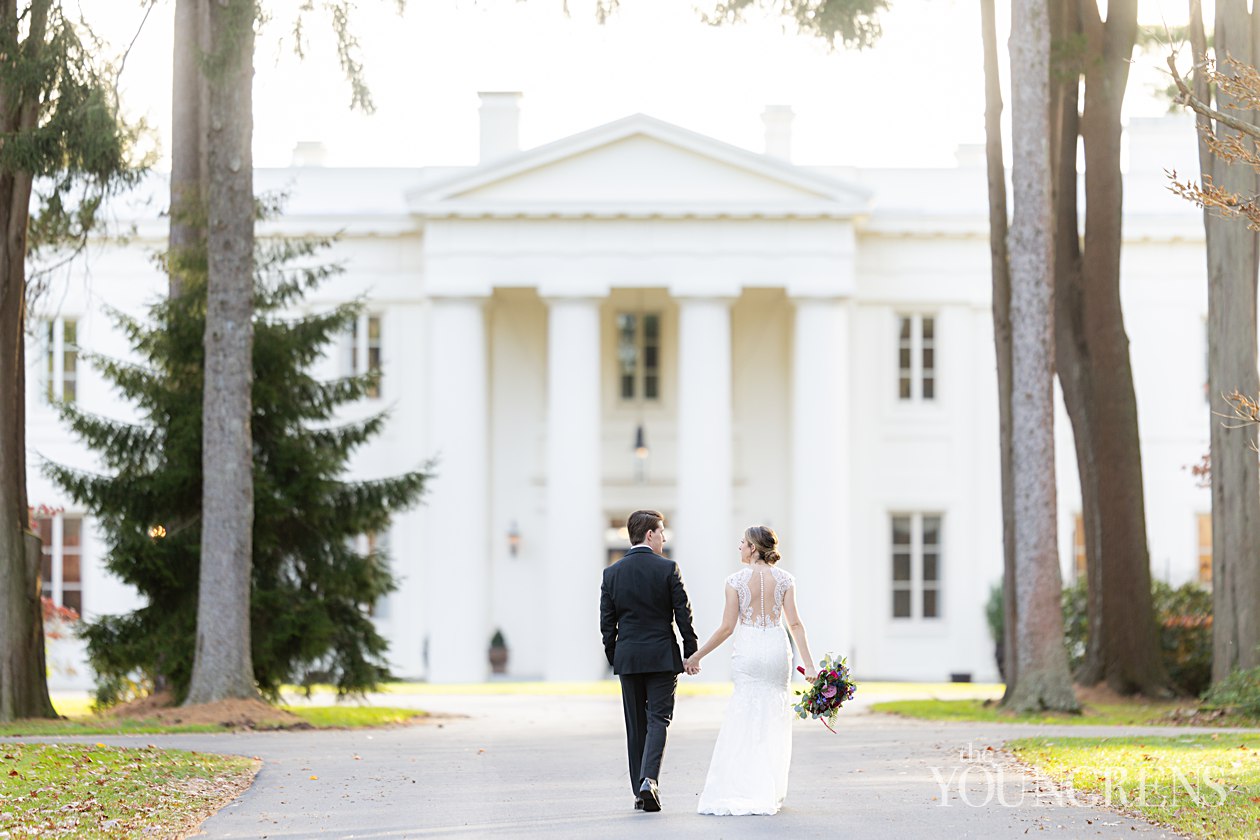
x=641 y=598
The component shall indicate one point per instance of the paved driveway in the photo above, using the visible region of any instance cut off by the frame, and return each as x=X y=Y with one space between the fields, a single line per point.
x=554 y=767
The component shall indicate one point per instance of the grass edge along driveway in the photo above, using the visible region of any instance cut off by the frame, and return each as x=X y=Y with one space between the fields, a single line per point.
x=1200 y=785
x=1132 y=713
x=315 y=717
x=95 y=791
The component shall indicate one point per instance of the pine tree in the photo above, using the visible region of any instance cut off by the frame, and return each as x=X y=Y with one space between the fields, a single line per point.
x=311 y=589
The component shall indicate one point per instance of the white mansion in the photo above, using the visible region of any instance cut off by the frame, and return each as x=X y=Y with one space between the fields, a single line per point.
x=641 y=316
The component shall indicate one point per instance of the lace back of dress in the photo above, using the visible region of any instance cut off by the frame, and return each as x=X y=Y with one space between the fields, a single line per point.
x=761 y=591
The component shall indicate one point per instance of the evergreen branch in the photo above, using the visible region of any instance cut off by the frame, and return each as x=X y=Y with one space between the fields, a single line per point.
x=120 y=442
x=380 y=496
x=346 y=439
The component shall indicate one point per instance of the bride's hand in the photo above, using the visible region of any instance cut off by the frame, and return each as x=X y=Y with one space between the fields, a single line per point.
x=692 y=665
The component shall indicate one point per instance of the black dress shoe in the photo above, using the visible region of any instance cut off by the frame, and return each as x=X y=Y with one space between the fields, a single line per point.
x=638 y=804
x=650 y=795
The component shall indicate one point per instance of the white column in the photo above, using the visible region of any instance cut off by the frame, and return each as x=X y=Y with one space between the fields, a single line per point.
x=575 y=526
x=706 y=540
x=454 y=541
x=818 y=547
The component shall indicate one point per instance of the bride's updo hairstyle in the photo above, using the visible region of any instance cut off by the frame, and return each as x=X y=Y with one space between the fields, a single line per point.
x=765 y=541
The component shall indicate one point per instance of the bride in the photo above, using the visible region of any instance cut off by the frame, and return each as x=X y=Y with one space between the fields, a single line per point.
x=749 y=770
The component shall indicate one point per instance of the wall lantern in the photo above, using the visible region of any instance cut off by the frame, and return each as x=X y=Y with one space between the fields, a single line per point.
x=513 y=538
x=640 y=444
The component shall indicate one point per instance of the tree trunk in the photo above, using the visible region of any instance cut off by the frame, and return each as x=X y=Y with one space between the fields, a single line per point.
x=1092 y=351
x=1232 y=251
x=1001 y=272
x=188 y=144
x=23 y=677
x=222 y=667
x=1122 y=612
x=1043 y=678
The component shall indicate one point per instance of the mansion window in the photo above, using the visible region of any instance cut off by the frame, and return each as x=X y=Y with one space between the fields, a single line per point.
x=369 y=545
x=61 y=354
x=1078 y=548
x=365 y=350
x=916 y=357
x=639 y=355
x=61 y=569
x=916 y=565
x=1205 y=549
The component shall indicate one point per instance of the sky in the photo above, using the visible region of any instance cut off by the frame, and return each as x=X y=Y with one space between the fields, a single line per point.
x=909 y=101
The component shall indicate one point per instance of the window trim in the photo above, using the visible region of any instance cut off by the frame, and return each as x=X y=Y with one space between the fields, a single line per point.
x=1080 y=557
x=918 y=346
x=639 y=378
x=360 y=347
x=56 y=587
x=917 y=586
x=363 y=545
x=1200 y=519
x=56 y=352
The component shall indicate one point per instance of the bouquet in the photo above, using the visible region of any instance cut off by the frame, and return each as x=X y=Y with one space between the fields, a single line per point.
x=827 y=692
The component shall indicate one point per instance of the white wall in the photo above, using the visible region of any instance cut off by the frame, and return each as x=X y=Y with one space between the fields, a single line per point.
x=922 y=248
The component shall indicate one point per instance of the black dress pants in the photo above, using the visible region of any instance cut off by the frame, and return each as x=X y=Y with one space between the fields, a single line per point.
x=648 y=703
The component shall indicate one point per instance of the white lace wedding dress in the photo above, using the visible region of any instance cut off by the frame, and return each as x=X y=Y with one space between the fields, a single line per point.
x=749 y=770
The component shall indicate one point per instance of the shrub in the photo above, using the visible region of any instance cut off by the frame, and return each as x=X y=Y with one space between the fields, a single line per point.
x=1183 y=614
x=993 y=612
x=1075 y=623
x=1185 y=634
x=1239 y=691
x=996 y=616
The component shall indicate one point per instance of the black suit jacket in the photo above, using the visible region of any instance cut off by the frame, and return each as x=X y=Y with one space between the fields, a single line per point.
x=641 y=599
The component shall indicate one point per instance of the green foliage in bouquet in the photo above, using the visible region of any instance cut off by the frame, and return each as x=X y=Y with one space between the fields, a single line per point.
x=312 y=591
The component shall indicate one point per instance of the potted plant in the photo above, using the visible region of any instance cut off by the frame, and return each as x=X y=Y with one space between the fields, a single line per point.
x=498 y=653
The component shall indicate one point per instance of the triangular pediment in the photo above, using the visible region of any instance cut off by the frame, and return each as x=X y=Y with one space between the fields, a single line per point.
x=634 y=166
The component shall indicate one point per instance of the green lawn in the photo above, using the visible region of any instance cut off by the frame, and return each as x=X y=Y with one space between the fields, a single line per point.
x=351 y=717
x=1203 y=785
x=1099 y=714
x=320 y=717
x=94 y=791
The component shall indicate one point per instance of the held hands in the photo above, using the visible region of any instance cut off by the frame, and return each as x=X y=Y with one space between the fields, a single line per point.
x=692 y=665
